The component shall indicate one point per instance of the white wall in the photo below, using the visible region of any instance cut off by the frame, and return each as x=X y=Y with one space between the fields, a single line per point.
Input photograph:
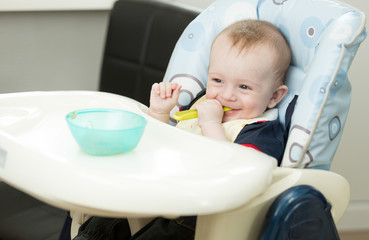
x=51 y=50
x=61 y=50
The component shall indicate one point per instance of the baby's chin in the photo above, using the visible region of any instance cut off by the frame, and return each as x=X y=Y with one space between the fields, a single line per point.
x=229 y=118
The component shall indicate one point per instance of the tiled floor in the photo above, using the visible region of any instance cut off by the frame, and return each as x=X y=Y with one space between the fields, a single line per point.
x=354 y=235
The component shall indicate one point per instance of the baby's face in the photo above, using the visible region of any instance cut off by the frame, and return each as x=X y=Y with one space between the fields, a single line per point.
x=244 y=81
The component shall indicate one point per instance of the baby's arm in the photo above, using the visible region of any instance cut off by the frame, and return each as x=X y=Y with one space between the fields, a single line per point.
x=163 y=98
x=210 y=114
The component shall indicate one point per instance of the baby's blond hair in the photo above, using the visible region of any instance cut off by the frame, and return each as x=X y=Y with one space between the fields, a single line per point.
x=251 y=33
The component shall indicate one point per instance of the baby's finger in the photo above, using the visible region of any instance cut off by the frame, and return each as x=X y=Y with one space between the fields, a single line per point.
x=174 y=85
x=163 y=87
x=169 y=89
x=155 y=88
x=176 y=91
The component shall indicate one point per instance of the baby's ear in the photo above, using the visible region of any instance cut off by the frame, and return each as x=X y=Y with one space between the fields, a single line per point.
x=278 y=95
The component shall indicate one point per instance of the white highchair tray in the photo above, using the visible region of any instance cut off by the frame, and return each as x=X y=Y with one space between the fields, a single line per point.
x=171 y=172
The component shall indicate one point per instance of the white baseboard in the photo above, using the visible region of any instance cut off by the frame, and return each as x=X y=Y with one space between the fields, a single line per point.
x=356 y=217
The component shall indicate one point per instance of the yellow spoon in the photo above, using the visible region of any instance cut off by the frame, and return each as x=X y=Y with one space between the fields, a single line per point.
x=188 y=114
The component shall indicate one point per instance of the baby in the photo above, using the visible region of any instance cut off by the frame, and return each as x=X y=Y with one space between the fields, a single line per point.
x=247 y=69
x=248 y=64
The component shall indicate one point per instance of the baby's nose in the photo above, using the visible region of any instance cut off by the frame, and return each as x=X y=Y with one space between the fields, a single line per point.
x=228 y=94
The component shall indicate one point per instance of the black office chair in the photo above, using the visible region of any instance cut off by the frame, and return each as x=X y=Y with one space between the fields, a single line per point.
x=24 y=217
x=140 y=40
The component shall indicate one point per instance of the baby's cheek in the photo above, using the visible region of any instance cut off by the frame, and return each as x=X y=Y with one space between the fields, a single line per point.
x=210 y=94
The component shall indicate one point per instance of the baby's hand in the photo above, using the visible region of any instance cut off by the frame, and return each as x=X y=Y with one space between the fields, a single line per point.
x=209 y=111
x=164 y=97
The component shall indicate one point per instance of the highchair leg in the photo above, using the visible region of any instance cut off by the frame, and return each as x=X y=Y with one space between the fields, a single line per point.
x=246 y=221
x=135 y=224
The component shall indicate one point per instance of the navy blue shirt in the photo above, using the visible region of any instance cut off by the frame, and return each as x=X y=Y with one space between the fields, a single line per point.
x=265 y=136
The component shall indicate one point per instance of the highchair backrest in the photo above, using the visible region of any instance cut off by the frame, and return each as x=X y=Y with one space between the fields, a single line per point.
x=324 y=36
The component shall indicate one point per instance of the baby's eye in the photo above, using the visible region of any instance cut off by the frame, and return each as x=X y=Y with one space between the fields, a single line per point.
x=217 y=80
x=244 y=87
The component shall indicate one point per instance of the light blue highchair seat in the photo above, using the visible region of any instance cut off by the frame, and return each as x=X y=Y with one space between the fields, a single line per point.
x=324 y=38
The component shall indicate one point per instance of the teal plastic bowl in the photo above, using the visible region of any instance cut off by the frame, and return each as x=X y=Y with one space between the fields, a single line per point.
x=102 y=132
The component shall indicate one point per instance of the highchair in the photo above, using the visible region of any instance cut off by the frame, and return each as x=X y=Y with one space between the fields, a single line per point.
x=237 y=192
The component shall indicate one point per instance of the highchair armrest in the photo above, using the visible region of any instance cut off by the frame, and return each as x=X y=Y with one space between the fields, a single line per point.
x=246 y=222
x=333 y=186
